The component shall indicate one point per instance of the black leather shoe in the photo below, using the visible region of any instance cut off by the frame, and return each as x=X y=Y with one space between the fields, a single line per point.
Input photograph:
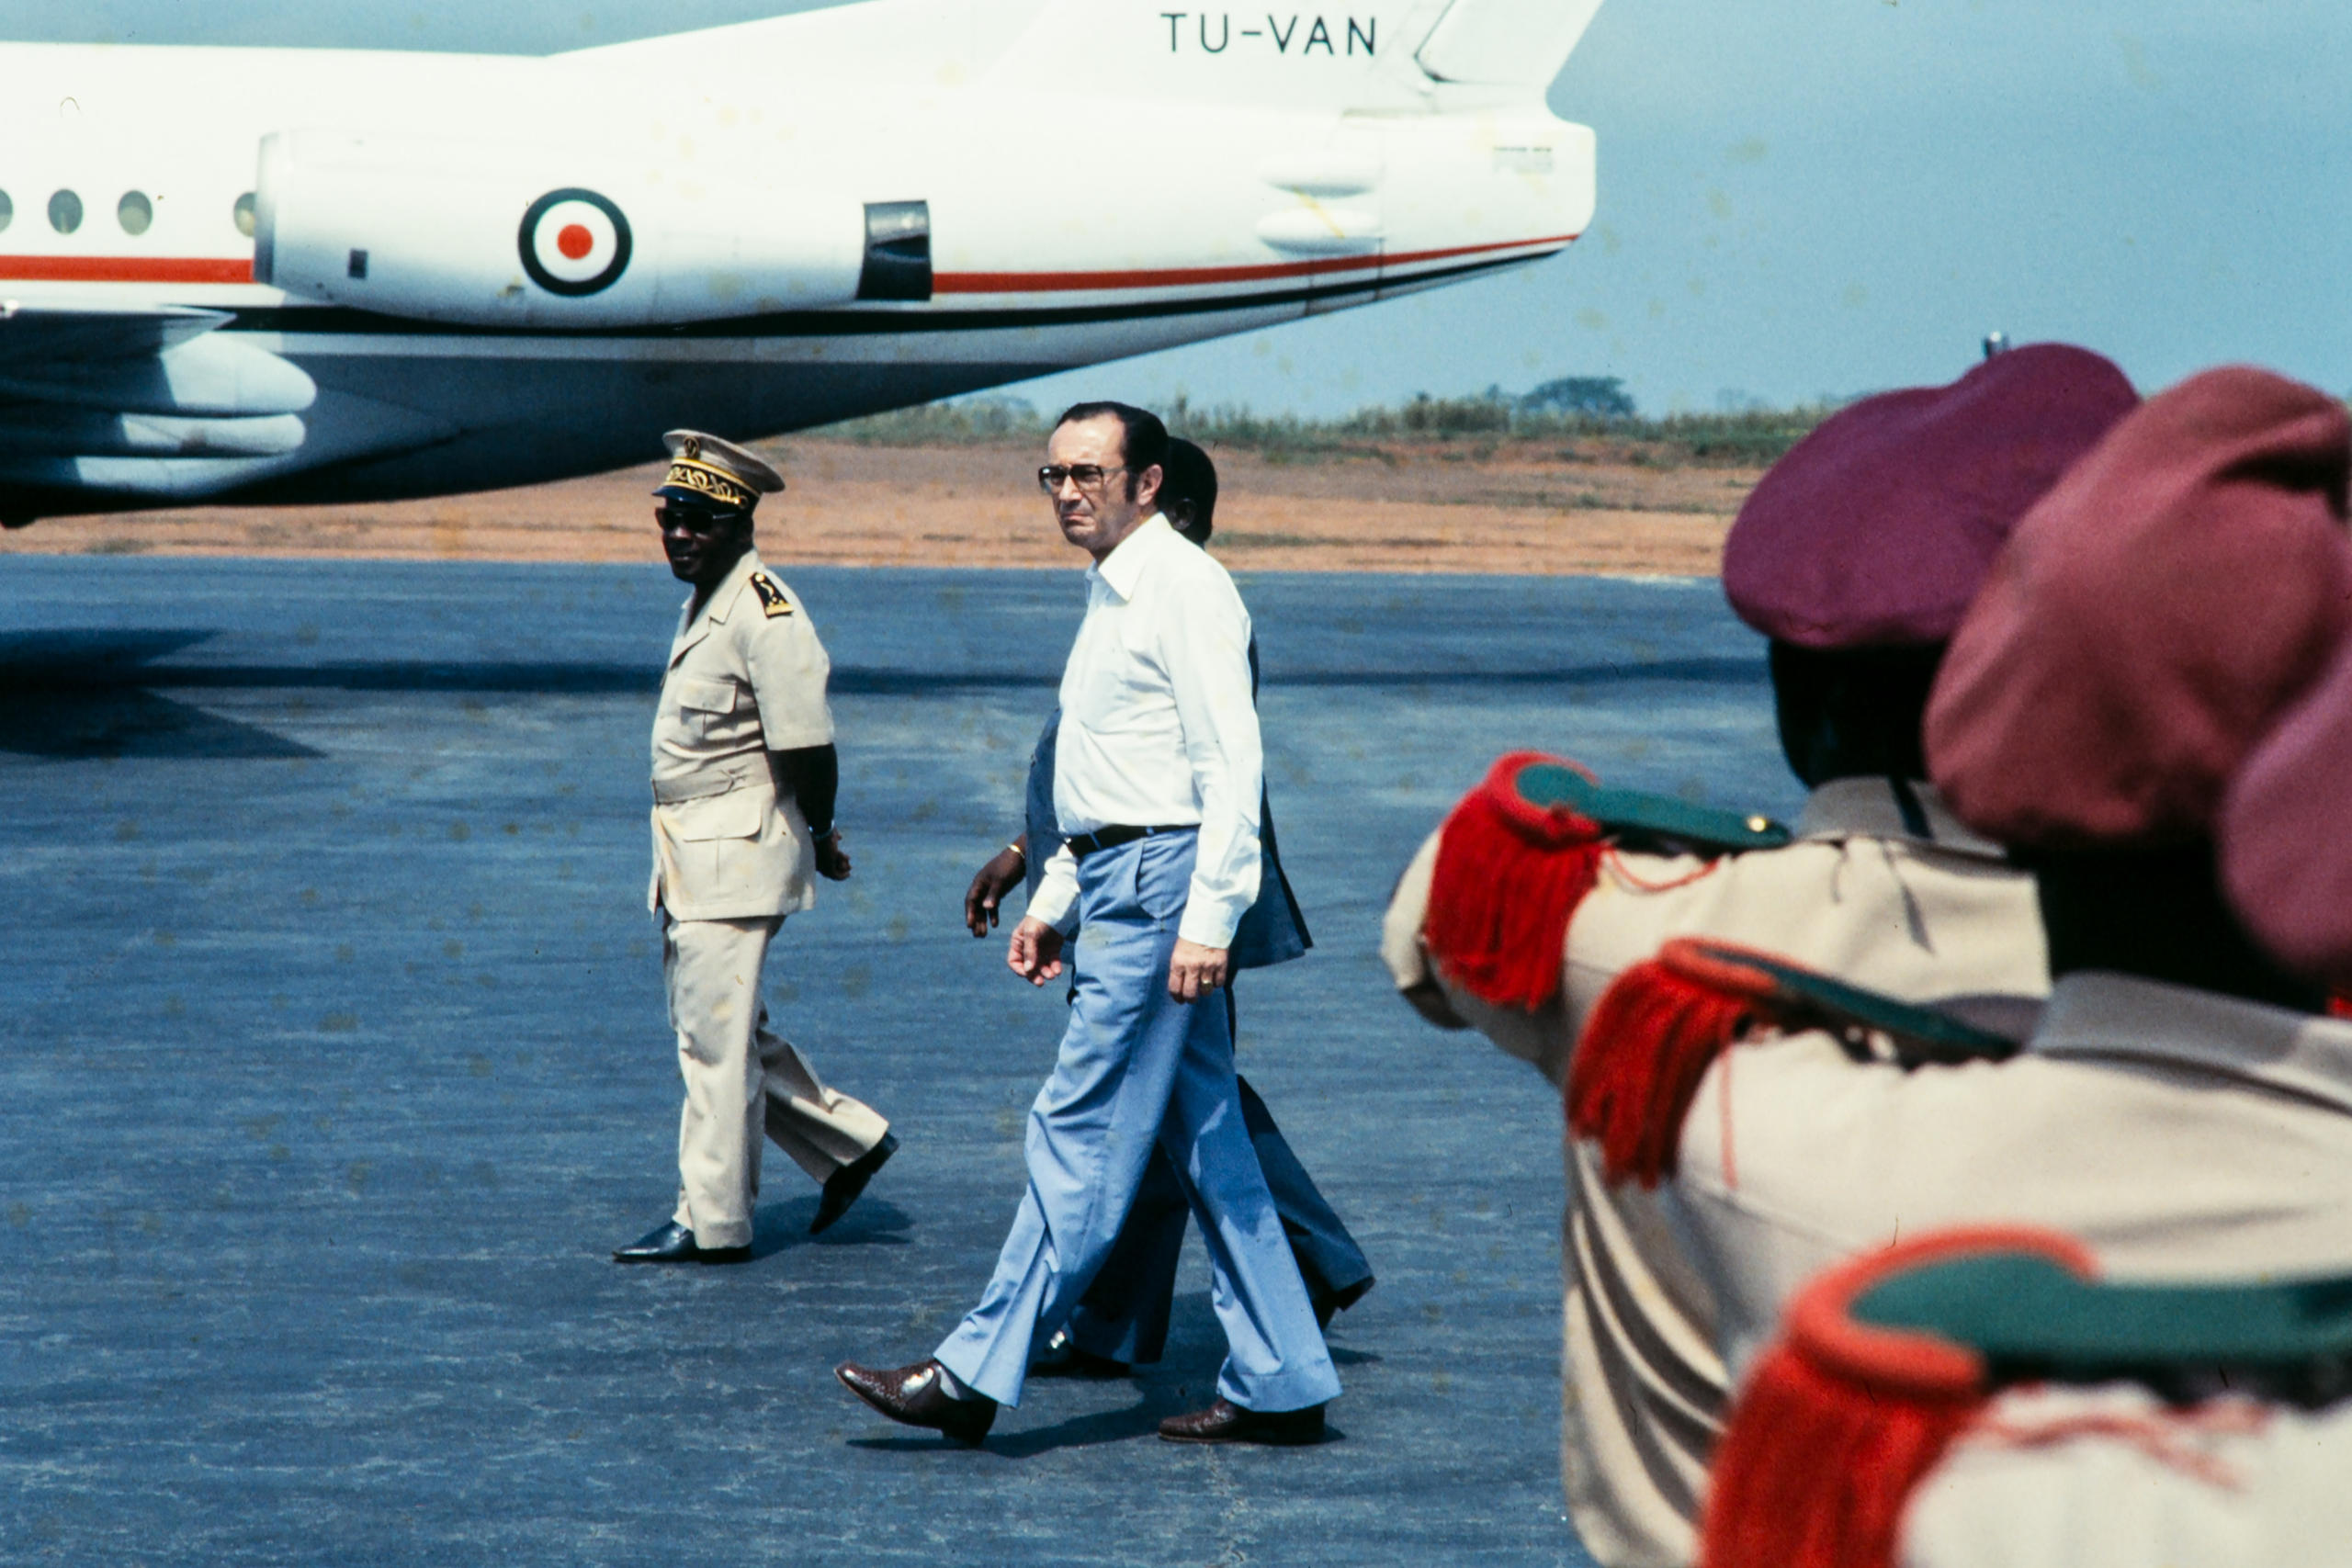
x=843 y=1187
x=1061 y=1357
x=673 y=1242
x=1330 y=1304
x=917 y=1397
x=1226 y=1422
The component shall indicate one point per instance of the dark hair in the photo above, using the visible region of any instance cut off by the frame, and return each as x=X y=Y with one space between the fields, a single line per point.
x=1850 y=712
x=1142 y=440
x=1191 y=483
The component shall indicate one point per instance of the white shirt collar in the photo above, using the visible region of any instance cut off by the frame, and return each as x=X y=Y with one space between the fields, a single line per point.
x=1125 y=566
x=2106 y=1016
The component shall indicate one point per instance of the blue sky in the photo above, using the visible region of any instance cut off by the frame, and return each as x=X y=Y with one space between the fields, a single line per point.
x=1814 y=197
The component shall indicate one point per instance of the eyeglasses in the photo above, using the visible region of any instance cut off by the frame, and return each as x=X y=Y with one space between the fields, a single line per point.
x=1085 y=475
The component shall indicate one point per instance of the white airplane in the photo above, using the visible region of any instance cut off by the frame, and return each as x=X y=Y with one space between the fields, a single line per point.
x=315 y=275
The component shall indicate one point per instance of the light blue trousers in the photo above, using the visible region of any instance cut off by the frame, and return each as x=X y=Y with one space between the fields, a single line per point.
x=1137 y=1067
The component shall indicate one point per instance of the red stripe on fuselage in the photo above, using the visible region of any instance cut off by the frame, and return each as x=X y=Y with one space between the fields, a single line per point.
x=240 y=269
x=1177 y=277
x=126 y=269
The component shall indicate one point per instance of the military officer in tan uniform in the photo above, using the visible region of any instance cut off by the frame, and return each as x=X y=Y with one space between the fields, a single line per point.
x=744 y=778
x=1856 y=554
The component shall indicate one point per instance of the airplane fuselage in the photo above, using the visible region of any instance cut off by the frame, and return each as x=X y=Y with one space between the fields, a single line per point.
x=497 y=270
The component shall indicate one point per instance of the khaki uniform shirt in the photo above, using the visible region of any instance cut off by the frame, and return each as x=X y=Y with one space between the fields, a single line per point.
x=2177 y=1134
x=2111 y=1478
x=746 y=677
x=1922 y=911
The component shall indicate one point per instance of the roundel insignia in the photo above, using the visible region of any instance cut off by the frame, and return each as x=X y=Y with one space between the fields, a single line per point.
x=574 y=242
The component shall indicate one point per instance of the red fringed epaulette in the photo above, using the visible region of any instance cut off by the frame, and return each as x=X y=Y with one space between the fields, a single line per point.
x=1508 y=877
x=1646 y=1045
x=1840 y=1421
x=1655 y=1031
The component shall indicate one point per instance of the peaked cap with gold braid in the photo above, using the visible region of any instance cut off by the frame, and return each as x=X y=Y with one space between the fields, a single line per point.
x=715 y=473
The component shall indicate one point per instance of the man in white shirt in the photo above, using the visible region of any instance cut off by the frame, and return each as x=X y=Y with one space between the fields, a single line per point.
x=1157 y=784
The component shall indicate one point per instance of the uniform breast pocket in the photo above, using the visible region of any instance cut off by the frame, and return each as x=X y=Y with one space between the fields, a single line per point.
x=706 y=704
x=738 y=813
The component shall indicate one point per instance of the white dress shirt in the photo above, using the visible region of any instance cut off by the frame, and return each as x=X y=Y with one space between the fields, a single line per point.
x=1158 y=726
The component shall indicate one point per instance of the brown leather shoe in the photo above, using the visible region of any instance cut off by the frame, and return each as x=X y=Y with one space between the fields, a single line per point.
x=1226 y=1422
x=916 y=1395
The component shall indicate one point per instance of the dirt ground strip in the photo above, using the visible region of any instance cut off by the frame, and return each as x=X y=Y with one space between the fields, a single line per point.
x=1523 y=508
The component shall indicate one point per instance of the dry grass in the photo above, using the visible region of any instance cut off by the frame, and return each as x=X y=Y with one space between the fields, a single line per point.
x=1556 y=504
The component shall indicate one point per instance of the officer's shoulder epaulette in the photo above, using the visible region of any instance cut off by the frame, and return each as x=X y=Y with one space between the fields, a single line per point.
x=1644 y=819
x=1649 y=1040
x=1798 y=997
x=773 y=598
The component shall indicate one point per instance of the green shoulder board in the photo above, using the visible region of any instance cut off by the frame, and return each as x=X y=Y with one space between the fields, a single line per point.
x=1660 y=818
x=2034 y=1320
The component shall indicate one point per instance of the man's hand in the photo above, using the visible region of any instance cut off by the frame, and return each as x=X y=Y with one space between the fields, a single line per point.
x=1195 y=971
x=995 y=880
x=833 y=863
x=1035 y=954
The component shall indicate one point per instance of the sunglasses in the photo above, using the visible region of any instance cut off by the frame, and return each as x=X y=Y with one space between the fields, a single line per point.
x=1085 y=475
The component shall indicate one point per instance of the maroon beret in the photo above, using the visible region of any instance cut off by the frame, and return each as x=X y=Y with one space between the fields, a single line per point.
x=1877 y=529
x=2151 y=619
x=2285 y=849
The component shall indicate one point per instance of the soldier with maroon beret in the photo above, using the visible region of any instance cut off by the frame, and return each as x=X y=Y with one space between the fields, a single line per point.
x=1857 y=554
x=2147 y=666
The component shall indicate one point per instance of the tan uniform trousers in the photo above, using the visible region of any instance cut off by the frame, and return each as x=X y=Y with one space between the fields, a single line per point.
x=742 y=1079
x=2109 y=1478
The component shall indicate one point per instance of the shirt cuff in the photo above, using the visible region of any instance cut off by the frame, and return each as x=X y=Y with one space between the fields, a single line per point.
x=1056 y=900
x=1209 y=922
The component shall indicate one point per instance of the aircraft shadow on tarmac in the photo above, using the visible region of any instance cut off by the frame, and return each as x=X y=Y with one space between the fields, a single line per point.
x=76 y=692
x=96 y=692
x=69 y=695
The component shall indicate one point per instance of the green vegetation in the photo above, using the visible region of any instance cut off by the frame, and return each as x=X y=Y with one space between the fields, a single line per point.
x=1579 y=415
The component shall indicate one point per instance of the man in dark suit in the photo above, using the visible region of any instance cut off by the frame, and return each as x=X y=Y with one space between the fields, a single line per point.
x=1122 y=1318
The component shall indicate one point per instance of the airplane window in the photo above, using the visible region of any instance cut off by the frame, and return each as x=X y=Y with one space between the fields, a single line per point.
x=66 y=212
x=135 y=211
x=8 y=209
x=243 y=213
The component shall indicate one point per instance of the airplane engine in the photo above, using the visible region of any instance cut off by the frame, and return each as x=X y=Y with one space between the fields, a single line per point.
x=541 y=237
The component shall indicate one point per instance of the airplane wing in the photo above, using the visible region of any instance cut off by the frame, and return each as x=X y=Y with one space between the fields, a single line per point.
x=30 y=336
x=150 y=402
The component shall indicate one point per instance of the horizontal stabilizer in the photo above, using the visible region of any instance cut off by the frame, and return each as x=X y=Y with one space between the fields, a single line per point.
x=1516 y=43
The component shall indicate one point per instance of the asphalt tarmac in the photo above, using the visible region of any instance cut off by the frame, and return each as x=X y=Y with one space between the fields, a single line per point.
x=333 y=1065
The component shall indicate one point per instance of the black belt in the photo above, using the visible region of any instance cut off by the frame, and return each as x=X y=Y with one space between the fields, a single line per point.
x=1110 y=838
